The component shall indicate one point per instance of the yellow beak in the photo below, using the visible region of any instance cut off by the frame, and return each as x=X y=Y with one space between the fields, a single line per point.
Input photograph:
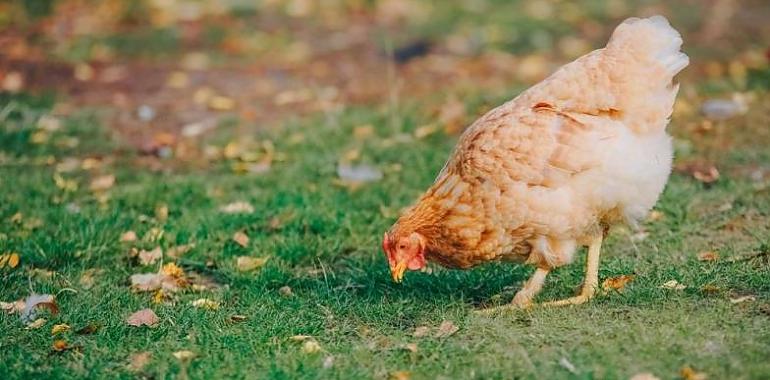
x=398 y=272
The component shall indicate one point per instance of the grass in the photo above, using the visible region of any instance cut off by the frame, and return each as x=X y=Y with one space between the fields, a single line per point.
x=322 y=238
x=326 y=248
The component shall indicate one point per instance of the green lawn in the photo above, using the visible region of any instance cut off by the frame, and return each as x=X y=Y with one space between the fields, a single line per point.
x=321 y=236
x=322 y=241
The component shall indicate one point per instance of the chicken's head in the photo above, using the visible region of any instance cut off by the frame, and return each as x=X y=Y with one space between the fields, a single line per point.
x=404 y=252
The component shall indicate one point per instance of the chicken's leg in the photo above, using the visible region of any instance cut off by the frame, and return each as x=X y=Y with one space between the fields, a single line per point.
x=523 y=298
x=592 y=276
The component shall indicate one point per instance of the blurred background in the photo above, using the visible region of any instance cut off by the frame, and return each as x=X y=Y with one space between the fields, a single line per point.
x=168 y=73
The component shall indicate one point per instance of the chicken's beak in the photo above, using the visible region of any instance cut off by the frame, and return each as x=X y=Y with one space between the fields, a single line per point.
x=398 y=271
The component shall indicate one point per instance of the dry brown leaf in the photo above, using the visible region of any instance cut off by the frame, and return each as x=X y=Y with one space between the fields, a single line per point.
x=128 y=236
x=237 y=208
x=421 y=331
x=655 y=216
x=400 y=375
x=36 y=324
x=617 y=283
x=139 y=360
x=60 y=328
x=205 y=303
x=412 y=347
x=710 y=289
x=60 y=345
x=446 y=329
x=708 y=256
x=688 y=373
x=102 y=183
x=238 y=318
x=247 y=263
x=241 y=238
x=12 y=307
x=144 y=317
x=147 y=282
x=150 y=257
x=179 y=250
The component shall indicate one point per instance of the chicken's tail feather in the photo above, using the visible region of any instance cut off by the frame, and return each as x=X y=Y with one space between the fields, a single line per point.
x=647 y=55
x=651 y=41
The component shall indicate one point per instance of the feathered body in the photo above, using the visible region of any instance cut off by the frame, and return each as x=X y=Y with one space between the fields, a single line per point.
x=536 y=177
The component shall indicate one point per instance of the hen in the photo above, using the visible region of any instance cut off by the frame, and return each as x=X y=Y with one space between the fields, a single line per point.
x=554 y=168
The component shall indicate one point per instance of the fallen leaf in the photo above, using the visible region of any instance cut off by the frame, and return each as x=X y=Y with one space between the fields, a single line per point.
x=221 y=103
x=412 y=347
x=139 y=360
x=155 y=234
x=247 y=263
x=617 y=283
x=741 y=299
x=566 y=364
x=60 y=328
x=13 y=260
x=446 y=329
x=673 y=285
x=179 y=250
x=237 y=208
x=184 y=355
x=655 y=215
x=400 y=375
x=300 y=338
x=102 y=183
x=688 y=373
x=12 y=307
x=241 y=238
x=328 y=362
x=238 y=318
x=38 y=323
x=708 y=256
x=285 y=291
x=358 y=173
x=421 y=331
x=128 y=236
x=702 y=171
x=35 y=301
x=205 y=303
x=144 y=317
x=710 y=289
x=150 y=257
x=310 y=346
x=161 y=212
x=60 y=345
x=147 y=282
x=87 y=280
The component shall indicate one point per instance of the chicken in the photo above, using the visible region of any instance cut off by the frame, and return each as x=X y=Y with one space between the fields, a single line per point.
x=551 y=170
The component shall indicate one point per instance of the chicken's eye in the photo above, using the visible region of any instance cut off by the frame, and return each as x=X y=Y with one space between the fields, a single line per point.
x=402 y=246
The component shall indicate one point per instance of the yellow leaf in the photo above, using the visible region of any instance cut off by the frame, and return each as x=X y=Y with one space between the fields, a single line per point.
x=205 y=303
x=310 y=346
x=221 y=103
x=13 y=260
x=161 y=212
x=60 y=345
x=102 y=183
x=60 y=328
x=688 y=373
x=38 y=323
x=172 y=270
x=184 y=355
x=247 y=263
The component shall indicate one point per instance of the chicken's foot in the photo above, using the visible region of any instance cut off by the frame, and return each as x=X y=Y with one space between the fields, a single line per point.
x=523 y=298
x=592 y=276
